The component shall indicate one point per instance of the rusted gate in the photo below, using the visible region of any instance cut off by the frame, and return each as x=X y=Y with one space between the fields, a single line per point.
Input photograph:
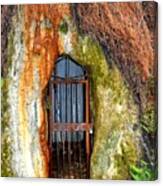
x=69 y=129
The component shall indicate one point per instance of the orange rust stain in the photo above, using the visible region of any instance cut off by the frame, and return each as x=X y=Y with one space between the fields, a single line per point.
x=41 y=50
x=123 y=26
x=60 y=46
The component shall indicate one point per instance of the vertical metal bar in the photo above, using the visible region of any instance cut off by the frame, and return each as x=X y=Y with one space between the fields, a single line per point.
x=76 y=143
x=52 y=133
x=66 y=75
x=68 y=119
x=60 y=110
x=87 y=132
x=73 y=141
x=73 y=158
x=53 y=156
x=79 y=155
x=60 y=133
x=57 y=156
x=71 y=135
x=78 y=101
x=69 y=152
x=62 y=99
x=74 y=133
x=66 y=115
x=63 y=153
x=76 y=95
x=57 y=119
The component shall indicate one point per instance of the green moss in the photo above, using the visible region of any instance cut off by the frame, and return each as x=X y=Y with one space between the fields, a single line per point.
x=10 y=49
x=114 y=111
x=63 y=27
x=148 y=120
x=148 y=117
x=6 y=153
x=6 y=169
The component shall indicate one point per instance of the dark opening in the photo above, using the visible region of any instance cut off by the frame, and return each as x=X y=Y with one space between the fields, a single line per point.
x=69 y=120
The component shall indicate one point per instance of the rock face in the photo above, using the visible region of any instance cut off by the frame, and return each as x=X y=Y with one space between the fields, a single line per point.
x=123 y=33
x=115 y=41
x=116 y=143
x=32 y=50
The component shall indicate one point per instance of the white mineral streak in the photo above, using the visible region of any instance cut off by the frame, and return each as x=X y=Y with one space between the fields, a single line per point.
x=26 y=152
x=67 y=42
x=66 y=39
x=18 y=162
x=32 y=150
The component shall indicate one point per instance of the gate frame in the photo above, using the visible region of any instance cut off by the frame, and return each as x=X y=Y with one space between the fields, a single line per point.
x=84 y=126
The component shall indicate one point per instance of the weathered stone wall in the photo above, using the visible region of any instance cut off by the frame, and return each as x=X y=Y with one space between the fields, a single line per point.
x=32 y=50
x=127 y=33
x=115 y=43
x=123 y=33
x=6 y=18
x=115 y=115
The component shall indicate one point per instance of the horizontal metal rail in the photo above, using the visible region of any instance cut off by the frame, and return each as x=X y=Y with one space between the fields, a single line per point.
x=67 y=81
x=71 y=126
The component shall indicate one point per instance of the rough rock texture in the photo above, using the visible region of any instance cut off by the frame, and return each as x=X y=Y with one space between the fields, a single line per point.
x=123 y=33
x=116 y=140
x=127 y=32
x=32 y=50
x=6 y=15
x=116 y=42
x=112 y=107
x=6 y=20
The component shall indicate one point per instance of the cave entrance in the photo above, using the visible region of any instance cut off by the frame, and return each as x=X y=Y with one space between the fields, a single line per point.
x=70 y=130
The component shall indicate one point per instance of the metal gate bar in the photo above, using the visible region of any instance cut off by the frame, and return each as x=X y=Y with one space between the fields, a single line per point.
x=65 y=131
x=69 y=131
x=87 y=131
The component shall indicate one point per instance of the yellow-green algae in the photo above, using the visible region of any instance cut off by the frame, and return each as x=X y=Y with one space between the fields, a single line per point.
x=149 y=117
x=6 y=170
x=116 y=142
